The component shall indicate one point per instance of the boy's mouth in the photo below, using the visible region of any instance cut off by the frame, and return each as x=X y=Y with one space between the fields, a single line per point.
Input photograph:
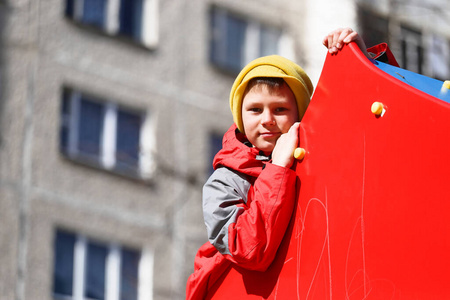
x=269 y=134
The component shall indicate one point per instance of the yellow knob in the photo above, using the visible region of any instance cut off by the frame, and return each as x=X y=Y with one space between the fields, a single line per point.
x=377 y=108
x=446 y=84
x=299 y=153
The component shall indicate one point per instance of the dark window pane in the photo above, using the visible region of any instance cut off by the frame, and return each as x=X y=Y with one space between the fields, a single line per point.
x=235 y=42
x=131 y=18
x=404 y=54
x=227 y=40
x=90 y=127
x=129 y=274
x=412 y=50
x=94 y=12
x=128 y=137
x=419 y=50
x=216 y=145
x=63 y=264
x=95 y=271
x=69 y=8
x=65 y=122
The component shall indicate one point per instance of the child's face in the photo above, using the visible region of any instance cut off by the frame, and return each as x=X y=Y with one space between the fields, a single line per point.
x=268 y=114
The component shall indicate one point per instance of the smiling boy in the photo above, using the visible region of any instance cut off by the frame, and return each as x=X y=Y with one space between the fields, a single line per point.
x=249 y=199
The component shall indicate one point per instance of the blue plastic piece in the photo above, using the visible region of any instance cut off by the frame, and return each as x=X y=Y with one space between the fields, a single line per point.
x=426 y=84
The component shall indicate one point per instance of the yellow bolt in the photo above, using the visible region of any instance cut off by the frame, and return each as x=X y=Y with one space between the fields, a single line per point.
x=444 y=89
x=299 y=153
x=446 y=84
x=377 y=108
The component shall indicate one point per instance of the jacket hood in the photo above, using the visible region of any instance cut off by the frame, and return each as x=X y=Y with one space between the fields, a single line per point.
x=238 y=154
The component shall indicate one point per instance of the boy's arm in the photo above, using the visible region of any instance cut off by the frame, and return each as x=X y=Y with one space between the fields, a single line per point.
x=248 y=230
x=224 y=199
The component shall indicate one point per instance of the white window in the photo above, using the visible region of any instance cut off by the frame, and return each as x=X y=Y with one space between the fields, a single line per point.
x=85 y=269
x=106 y=135
x=439 y=57
x=235 y=40
x=137 y=19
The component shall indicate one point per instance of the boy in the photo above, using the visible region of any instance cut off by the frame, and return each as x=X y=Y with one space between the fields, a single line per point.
x=249 y=199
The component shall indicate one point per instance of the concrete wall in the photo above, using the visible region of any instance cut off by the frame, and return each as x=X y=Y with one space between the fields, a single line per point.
x=41 y=52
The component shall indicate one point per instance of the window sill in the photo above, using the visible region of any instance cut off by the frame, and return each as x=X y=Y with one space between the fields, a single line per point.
x=125 y=173
x=127 y=40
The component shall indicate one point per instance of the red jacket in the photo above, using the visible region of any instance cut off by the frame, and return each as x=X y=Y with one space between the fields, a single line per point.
x=248 y=204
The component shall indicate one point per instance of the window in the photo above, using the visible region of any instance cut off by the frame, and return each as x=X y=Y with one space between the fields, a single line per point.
x=439 y=57
x=412 y=50
x=87 y=269
x=136 y=19
x=235 y=40
x=106 y=135
x=215 y=142
x=374 y=29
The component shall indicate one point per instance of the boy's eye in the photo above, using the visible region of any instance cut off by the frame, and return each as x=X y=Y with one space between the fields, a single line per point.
x=281 y=109
x=255 y=109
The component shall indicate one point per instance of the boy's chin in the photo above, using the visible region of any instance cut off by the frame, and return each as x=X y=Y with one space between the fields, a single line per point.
x=266 y=150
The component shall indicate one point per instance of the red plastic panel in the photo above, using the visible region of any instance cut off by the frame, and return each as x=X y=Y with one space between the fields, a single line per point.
x=372 y=218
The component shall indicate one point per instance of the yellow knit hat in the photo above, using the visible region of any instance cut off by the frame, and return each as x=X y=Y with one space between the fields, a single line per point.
x=271 y=66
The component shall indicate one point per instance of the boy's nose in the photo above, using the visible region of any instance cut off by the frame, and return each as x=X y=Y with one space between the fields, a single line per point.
x=268 y=118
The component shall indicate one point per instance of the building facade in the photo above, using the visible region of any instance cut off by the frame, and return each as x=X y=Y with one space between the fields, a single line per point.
x=417 y=31
x=110 y=114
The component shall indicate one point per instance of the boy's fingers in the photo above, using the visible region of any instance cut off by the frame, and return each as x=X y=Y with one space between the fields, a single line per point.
x=343 y=35
x=347 y=35
x=325 y=41
x=350 y=37
x=336 y=38
x=293 y=131
x=330 y=42
x=294 y=127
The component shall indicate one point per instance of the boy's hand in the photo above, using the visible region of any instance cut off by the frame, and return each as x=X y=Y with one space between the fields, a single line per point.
x=337 y=38
x=283 y=152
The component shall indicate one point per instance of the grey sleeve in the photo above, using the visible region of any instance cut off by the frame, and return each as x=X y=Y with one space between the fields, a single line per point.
x=221 y=194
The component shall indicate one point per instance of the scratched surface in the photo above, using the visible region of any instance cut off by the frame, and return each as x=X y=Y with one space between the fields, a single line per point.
x=371 y=221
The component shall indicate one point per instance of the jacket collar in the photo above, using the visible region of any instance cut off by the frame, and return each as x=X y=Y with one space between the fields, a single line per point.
x=238 y=154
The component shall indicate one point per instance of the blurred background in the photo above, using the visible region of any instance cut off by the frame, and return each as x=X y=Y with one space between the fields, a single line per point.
x=112 y=110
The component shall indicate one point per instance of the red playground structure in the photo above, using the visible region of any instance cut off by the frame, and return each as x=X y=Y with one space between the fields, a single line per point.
x=372 y=220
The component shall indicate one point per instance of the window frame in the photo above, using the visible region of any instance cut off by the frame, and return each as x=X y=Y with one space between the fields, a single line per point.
x=106 y=159
x=147 y=33
x=113 y=269
x=412 y=49
x=251 y=46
